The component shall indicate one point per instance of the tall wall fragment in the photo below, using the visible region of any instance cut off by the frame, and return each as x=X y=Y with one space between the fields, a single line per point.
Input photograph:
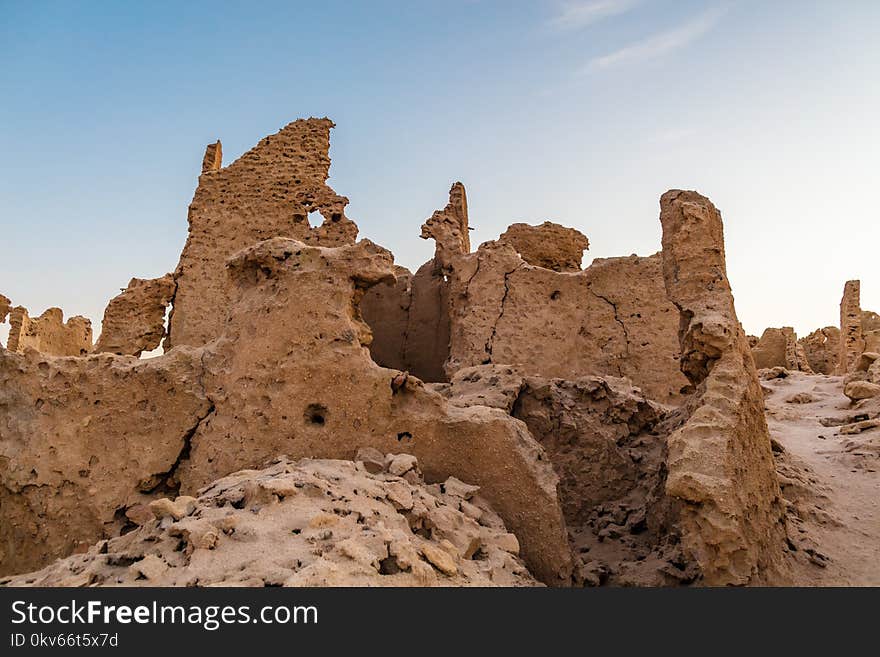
x=268 y=192
x=134 y=321
x=49 y=333
x=5 y=305
x=852 y=343
x=213 y=160
x=720 y=465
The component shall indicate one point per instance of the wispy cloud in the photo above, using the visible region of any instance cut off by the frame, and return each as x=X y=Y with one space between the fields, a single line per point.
x=575 y=15
x=662 y=43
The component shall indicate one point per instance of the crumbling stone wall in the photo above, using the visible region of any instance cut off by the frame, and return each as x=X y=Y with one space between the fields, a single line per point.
x=852 y=342
x=268 y=192
x=779 y=347
x=134 y=321
x=49 y=333
x=5 y=305
x=821 y=349
x=720 y=465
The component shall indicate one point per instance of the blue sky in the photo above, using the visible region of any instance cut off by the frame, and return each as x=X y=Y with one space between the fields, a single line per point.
x=580 y=112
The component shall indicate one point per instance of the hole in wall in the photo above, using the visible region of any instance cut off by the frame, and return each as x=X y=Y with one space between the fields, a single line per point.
x=315 y=219
x=404 y=437
x=316 y=414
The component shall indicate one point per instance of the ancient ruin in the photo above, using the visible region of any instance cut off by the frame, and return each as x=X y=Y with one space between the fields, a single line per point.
x=502 y=416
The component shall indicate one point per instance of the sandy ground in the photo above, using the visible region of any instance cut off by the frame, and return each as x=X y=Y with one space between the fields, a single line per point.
x=832 y=481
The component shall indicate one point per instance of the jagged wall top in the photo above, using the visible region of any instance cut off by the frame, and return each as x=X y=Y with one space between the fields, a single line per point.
x=268 y=192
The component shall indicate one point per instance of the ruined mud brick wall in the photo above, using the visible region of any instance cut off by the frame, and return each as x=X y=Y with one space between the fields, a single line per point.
x=779 y=347
x=612 y=318
x=304 y=386
x=720 y=465
x=134 y=321
x=49 y=333
x=268 y=192
x=852 y=343
x=5 y=305
x=822 y=349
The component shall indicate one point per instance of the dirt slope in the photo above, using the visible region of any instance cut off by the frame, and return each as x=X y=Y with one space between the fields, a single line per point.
x=831 y=479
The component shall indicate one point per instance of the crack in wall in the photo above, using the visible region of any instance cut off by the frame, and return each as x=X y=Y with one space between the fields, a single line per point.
x=616 y=319
x=170 y=475
x=490 y=342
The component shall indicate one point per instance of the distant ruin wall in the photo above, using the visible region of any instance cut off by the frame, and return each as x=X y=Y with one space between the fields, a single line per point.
x=48 y=333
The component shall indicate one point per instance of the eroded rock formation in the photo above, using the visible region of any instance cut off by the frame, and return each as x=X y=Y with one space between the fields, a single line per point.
x=49 y=333
x=449 y=229
x=134 y=321
x=312 y=523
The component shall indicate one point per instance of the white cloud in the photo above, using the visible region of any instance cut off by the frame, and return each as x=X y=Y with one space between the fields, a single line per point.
x=580 y=14
x=662 y=43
